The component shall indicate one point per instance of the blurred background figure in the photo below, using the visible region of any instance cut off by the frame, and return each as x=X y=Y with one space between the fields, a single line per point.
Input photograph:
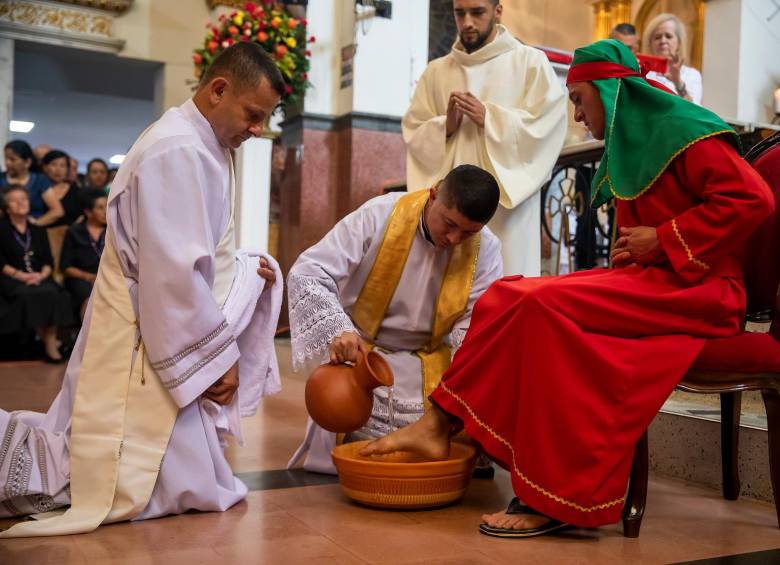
x=97 y=174
x=626 y=34
x=665 y=37
x=83 y=247
x=56 y=166
x=73 y=172
x=26 y=267
x=40 y=152
x=19 y=159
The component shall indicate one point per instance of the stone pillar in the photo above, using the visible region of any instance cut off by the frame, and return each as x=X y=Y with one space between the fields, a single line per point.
x=253 y=193
x=6 y=88
x=317 y=161
x=740 y=70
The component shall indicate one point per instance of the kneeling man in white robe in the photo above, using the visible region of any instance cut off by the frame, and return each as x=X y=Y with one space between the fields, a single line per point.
x=399 y=275
x=175 y=318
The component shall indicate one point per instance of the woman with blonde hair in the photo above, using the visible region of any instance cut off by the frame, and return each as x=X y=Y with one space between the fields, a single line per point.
x=665 y=37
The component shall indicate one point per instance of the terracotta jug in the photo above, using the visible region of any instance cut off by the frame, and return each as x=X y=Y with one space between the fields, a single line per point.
x=340 y=397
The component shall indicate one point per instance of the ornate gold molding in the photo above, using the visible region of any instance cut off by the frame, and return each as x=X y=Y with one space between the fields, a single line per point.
x=58 y=23
x=114 y=6
x=229 y=3
x=609 y=13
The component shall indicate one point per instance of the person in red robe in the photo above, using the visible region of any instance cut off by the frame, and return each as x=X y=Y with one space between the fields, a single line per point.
x=559 y=377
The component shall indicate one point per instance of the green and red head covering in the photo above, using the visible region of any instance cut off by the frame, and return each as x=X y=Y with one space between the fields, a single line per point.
x=646 y=126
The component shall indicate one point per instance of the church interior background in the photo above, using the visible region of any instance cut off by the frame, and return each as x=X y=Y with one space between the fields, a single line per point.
x=92 y=74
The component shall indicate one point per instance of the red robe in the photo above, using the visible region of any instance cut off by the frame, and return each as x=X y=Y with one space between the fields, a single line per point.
x=558 y=377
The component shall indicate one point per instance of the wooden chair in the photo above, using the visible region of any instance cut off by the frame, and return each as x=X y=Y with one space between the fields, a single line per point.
x=745 y=362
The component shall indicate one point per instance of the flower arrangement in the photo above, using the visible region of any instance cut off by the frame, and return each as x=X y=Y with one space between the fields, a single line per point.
x=270 y=25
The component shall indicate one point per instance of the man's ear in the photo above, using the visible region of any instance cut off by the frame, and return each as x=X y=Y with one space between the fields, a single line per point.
x=435 y=191
x=217 y=89
x=499 y=11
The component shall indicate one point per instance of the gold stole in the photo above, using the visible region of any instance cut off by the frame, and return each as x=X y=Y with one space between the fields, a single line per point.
x=379 y=288
x=122 y=418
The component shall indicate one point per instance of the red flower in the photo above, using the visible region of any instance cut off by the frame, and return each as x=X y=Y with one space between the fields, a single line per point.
x=262 y=36
x=305 y=22
x=308 y=53
x=312 y=39
x=250 y=7
x=288 y=89
x=281 y=50
x=212 y=46
x=197 y=58
x=305 y=76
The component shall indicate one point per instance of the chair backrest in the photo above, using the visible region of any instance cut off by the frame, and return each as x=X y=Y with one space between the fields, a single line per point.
x=762 y=267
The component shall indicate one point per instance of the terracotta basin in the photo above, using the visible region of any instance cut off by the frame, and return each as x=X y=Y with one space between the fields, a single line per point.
x=402 y=479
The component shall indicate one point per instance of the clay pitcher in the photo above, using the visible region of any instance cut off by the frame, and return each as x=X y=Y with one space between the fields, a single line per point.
x=340 y=397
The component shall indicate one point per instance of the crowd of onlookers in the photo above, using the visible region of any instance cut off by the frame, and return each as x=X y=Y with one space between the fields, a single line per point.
x=52 y=232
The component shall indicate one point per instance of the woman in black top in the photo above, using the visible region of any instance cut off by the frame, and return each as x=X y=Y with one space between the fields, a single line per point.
x=83 y=247
x=26 y=266
x=56 y=165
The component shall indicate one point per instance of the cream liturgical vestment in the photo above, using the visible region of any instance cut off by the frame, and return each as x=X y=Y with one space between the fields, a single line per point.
x=525 y=125
x=173 y=308
x=326 y=291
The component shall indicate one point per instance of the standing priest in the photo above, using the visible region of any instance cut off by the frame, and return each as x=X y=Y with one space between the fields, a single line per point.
x=495 y=103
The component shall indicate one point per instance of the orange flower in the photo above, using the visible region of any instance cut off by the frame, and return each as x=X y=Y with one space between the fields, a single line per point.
x=281 y=51
x=197 y=58
x=262 y=36
x=233 y=30
x=212 y=46
x=292 y=23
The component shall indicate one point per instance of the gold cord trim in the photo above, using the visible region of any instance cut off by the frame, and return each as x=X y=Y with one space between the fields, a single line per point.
x=517 y=471
x=691 y=258
x=660 y=171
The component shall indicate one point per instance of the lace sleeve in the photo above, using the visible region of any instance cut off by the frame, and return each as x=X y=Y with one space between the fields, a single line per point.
x=456 y=339
x=316 y=319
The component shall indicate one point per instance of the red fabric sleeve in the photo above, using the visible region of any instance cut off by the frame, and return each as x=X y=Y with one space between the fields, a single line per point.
x=735 y=199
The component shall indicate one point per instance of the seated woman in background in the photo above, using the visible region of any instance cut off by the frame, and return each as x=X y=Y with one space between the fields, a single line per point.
x=44 y=205
x=665 y=37
x=97 y=174
x=26 y=267
x=82 y=249
x=56 y=165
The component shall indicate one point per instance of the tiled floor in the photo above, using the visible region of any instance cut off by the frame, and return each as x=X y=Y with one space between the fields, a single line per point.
x=317 y=524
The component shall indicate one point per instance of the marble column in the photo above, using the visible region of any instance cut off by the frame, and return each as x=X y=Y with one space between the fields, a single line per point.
x=6 y=88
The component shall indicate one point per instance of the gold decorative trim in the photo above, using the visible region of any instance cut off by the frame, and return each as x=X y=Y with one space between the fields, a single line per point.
x=688 y=251
x=115 y=6
x=229 y=3
x=517 y=471
x=55 y=18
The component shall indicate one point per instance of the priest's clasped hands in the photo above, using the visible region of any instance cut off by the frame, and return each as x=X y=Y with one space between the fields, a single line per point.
x=636 y=245
x=464 y=104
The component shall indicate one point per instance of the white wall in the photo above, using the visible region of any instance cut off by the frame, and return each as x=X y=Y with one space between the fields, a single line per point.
x=759 y=60
x=741 y=66
x=331 y=23
x=390 y=58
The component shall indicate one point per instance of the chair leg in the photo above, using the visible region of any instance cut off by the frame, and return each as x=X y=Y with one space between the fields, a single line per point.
x=772 y=404
x=634 y=507
x=730 y=408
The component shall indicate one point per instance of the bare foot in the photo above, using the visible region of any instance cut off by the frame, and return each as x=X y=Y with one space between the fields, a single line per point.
x=514 y=521
x=429 y=437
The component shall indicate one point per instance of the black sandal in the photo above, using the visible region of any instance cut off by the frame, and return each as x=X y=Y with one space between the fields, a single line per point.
x=551 y=525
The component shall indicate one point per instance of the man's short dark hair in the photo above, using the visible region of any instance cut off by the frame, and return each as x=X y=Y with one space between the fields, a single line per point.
x=89 y=196
x=244 y=64
x=471 y=191
x=624 y=29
